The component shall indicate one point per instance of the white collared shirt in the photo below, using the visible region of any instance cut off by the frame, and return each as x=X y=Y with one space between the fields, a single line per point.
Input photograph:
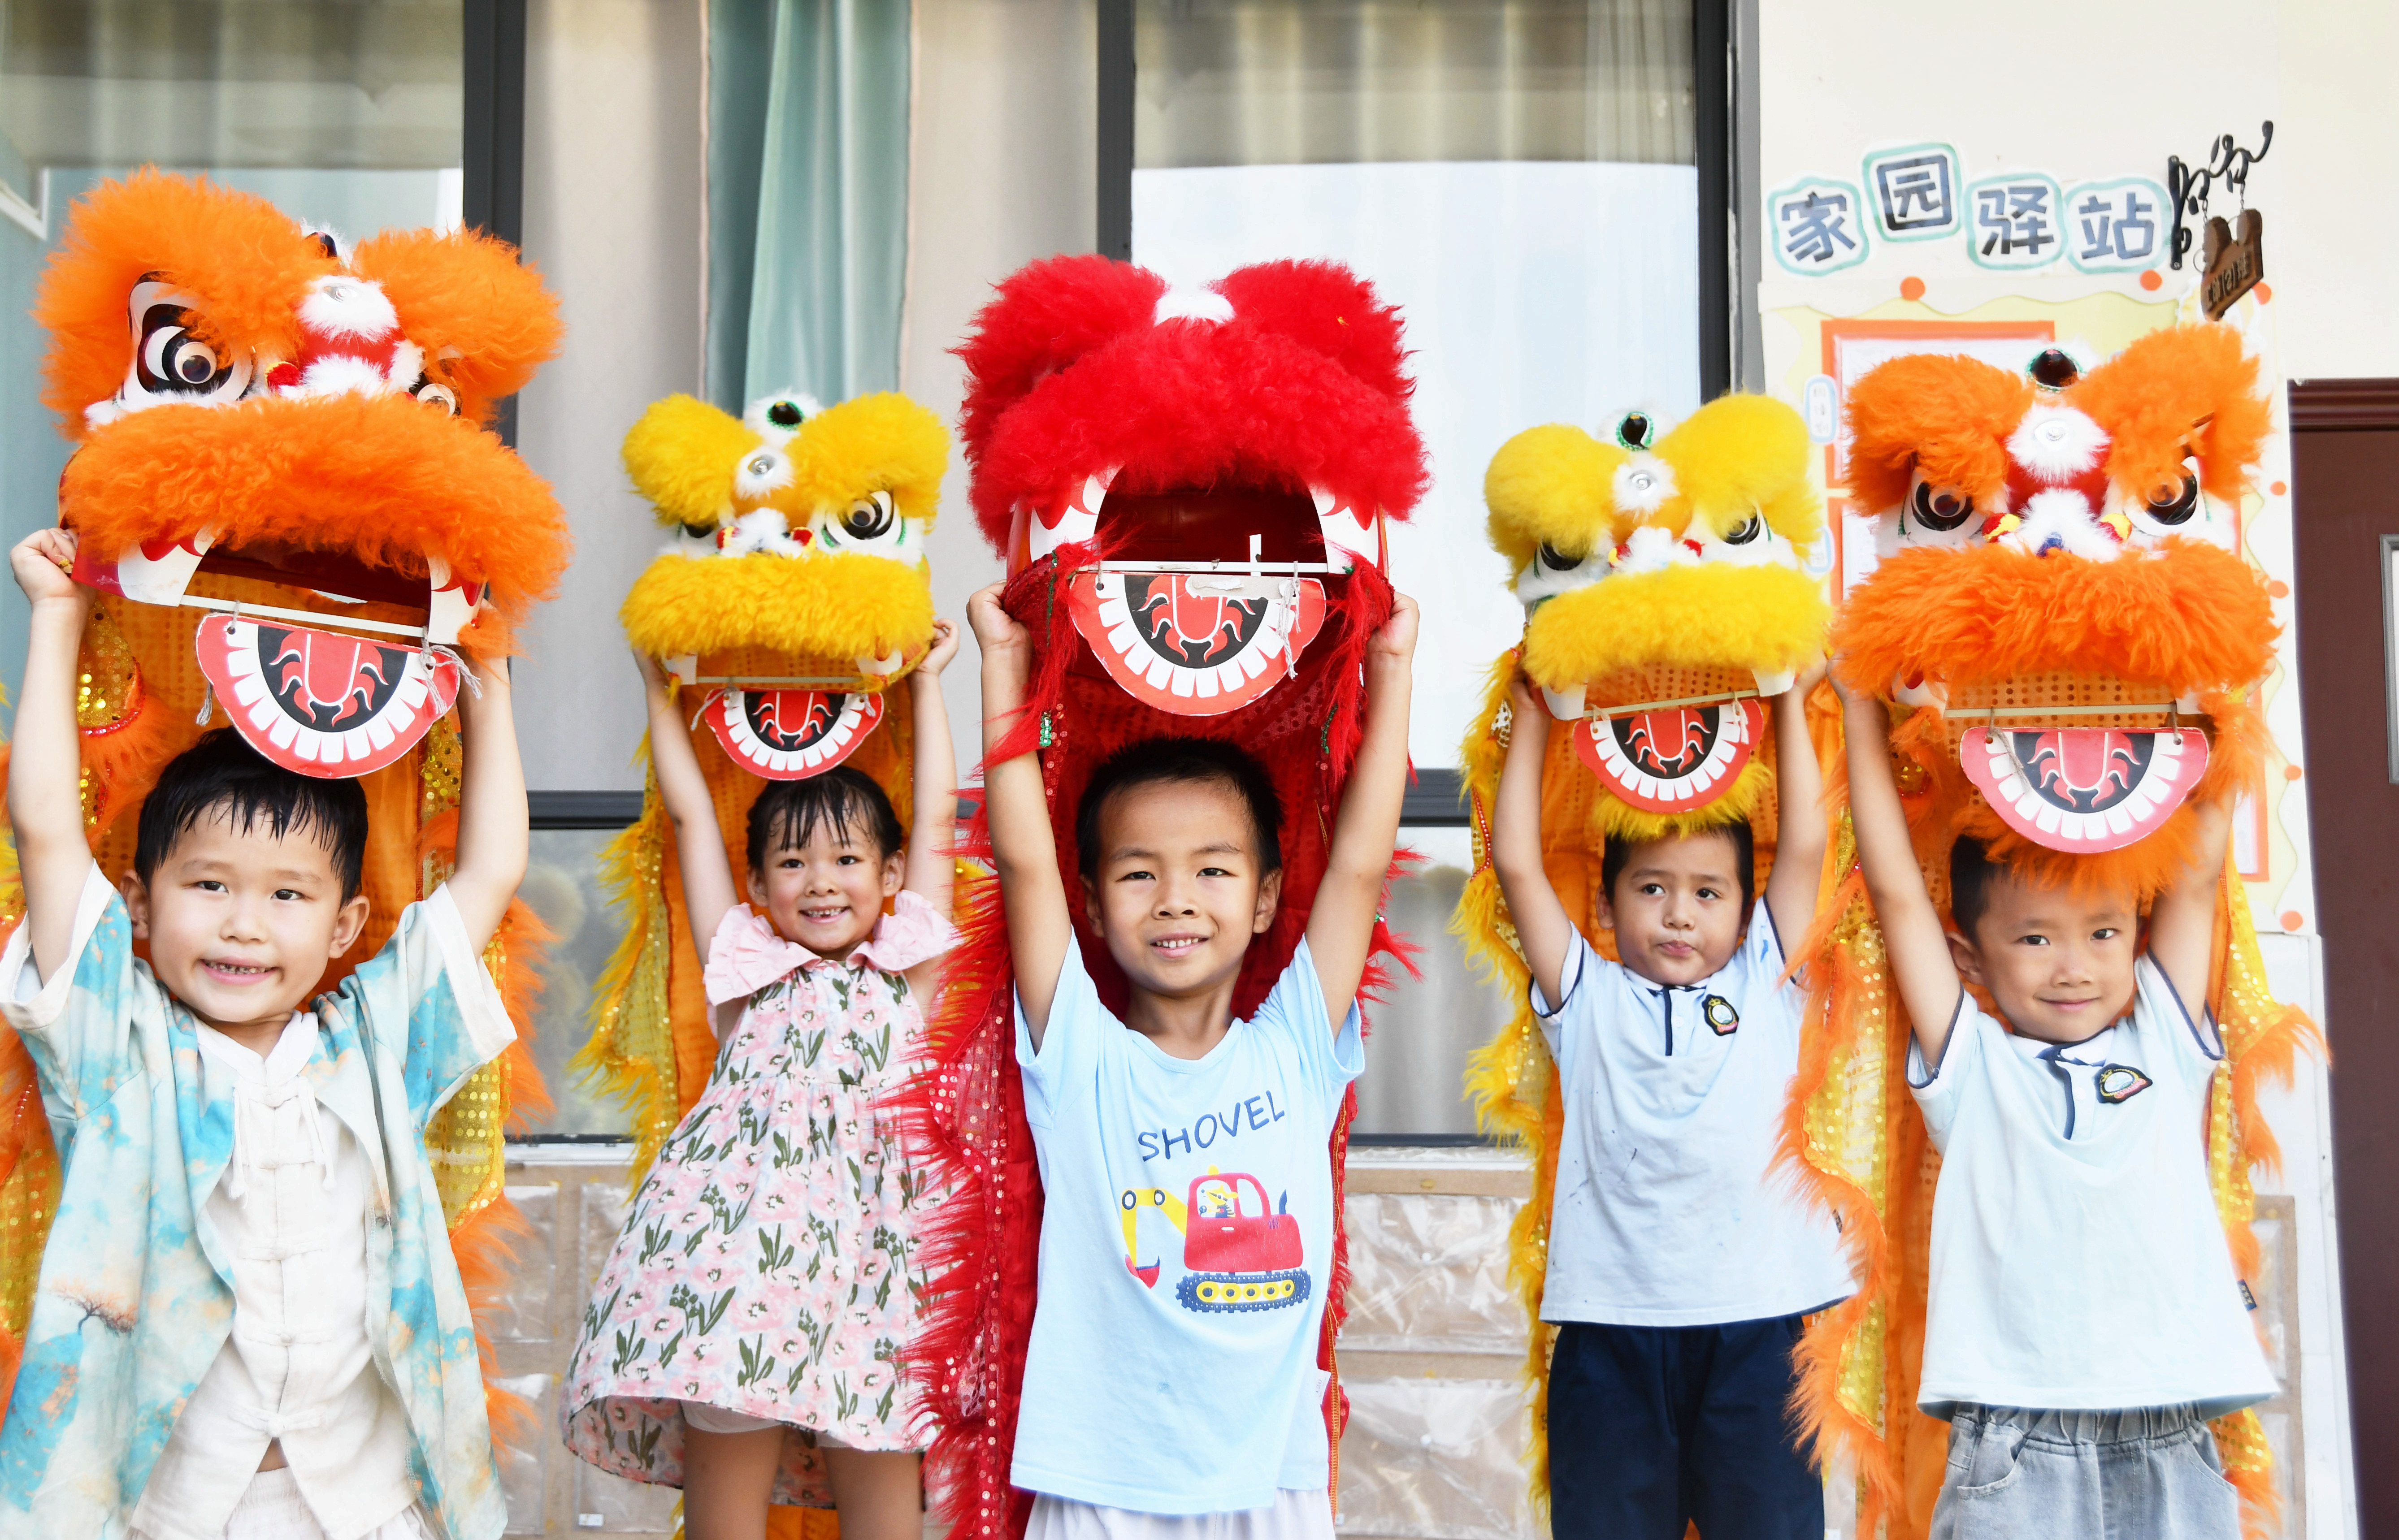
x=2074 y=1189
x=1669 y=1207
x=292 y=1211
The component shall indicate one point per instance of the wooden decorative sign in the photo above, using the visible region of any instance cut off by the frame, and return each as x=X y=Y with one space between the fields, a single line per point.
x=2232 y=263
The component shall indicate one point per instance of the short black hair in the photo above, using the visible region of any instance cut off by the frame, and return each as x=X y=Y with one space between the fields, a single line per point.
x=1180 y=760
x=223 y=774
x=842 y=800
x=1619 y=855
x=1970 y=871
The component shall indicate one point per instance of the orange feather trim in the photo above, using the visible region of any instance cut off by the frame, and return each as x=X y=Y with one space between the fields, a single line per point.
x=2193 y=617
x=2182 y=390
x=482 y=315
x=1949 y=416
x=409 y=482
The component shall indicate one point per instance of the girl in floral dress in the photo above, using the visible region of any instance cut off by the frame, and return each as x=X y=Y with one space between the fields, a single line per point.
x=742 y=1341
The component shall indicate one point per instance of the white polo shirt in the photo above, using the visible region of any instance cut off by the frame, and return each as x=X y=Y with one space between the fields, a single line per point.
x=2078 y=1262
x=1668 y=1210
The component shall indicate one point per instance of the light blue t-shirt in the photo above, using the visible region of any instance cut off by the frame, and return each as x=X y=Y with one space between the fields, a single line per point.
x=1187 y=1241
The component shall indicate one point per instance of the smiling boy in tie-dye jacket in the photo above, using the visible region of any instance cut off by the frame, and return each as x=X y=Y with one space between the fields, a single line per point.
x=248 y=1319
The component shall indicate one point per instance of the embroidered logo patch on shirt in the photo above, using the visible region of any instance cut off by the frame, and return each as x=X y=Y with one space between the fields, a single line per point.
x=1719 y=1014
x=2121 y=1083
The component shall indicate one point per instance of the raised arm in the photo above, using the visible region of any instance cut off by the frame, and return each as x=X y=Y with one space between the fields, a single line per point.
x=931 y=834
x=46 y=758
x=1542 y=927
x=707 y=890
x=1799 y=822
x=1341 y=926
x=1911 y=927
x=1031 y=890
x=2182 y=920
x=494 y=827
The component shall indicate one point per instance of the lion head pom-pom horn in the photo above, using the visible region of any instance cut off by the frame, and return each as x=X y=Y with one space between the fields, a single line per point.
x=1189 y=487
x=2069 y=641
x=1665 y=607
x=286 y=494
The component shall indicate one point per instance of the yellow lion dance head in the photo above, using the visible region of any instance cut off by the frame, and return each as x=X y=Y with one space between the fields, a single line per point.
x=1663 y=600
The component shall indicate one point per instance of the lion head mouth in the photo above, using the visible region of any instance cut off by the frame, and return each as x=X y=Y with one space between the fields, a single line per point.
x=2080 y=697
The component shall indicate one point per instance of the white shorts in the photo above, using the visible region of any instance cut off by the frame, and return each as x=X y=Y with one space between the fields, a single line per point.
x=1295 y=1516
x=716 y=1419
x=272 y=1508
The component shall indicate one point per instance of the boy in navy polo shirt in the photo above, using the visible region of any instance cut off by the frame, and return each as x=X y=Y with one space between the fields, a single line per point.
x=1680 y=1264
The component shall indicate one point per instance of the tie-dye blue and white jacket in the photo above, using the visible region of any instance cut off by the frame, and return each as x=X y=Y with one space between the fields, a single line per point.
x=136 y=1293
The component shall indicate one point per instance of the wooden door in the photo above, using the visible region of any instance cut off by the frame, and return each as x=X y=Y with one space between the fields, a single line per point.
x=2345 y=464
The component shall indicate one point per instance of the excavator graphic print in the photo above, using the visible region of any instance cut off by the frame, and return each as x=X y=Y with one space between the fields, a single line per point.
x=1231 y=1260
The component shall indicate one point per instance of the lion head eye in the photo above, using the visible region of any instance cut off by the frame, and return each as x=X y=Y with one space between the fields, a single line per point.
x=871 y=525
x=434 y=393
x=1746 y=531
x=785 y=415
x=868 y=518
x=1556 y=559
x=2173 y=502
x=172 y=363
x=1940 y=509
x=1634 y=429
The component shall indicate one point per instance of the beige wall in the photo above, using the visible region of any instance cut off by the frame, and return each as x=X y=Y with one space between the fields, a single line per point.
x=2332 y=232
x=1003 y=168
x=2094 y=90
x=612 y=217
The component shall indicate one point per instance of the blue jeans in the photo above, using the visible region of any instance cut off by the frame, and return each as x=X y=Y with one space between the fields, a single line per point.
x=1653 y=1428
x=2147 y=1474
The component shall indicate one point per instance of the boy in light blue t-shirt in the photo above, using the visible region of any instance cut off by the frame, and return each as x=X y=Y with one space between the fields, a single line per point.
x=1187 y=1237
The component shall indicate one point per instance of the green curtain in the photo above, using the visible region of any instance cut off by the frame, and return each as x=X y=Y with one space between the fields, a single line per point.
x=808 y=196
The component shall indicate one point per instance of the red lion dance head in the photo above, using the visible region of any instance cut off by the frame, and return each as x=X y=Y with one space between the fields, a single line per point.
x=1189 y=488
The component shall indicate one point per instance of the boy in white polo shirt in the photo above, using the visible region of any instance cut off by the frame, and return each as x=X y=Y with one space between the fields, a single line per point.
x=2084 y=1318
x=1680 y=1264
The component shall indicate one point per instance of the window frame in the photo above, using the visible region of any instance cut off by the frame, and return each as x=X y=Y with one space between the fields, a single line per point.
x=1713 y=150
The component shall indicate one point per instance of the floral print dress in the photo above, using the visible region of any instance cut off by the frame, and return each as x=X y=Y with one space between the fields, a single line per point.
x=768 y=1265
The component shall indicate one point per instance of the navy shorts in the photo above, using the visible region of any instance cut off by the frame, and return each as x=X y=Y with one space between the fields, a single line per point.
x=1653 y=1428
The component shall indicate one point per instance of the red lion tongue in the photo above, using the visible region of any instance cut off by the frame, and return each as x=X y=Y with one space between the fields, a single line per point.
x=1672 y=760
x=2084 y=790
